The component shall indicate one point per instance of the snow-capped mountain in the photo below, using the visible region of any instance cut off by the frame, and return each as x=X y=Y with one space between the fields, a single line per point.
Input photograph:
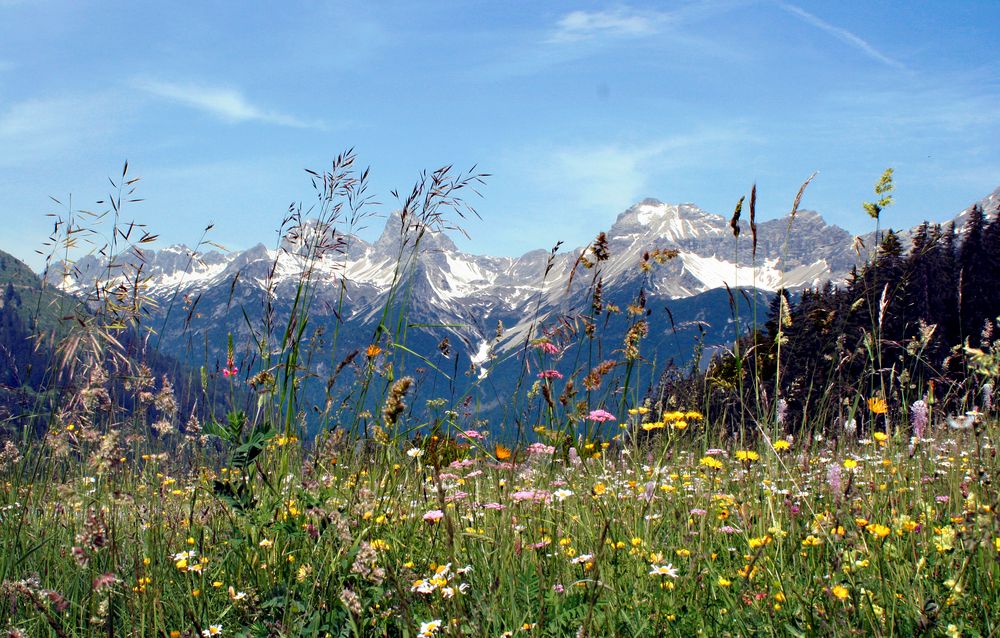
x=471 y=293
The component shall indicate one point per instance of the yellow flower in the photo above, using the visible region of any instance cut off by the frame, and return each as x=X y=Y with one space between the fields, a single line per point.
x=502 y=452
x=710 y=462
x=782 y=445
x=760 y=541
x=879 y=531
x=840 y=592
x=850 y=464
x=811 y=541
x=600 y=489
x=652 y=425
x=881 y=437
x=679 y=425
x=747 y=455
x=877 y=405
x=724 y=582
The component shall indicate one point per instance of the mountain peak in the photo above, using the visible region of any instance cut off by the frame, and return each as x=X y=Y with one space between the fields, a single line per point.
x=396 y=228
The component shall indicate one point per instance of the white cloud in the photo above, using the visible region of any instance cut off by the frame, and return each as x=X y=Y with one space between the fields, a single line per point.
x=227 y=104
x=581 y=184
x=623 y=22
x=843 y=35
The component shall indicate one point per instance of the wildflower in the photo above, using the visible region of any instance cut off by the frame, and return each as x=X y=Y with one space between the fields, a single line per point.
x=502 y=452
x=782 y=445
x=213 y=630
x=833 y=478
x=881 y=437
x=877 y=405
x=840 y=592
x=663 y=570
x=962 y=422
x=548 y=348
x=653 y=425
x=550 y=374
x=429 y=628
x=679 y=425
x=710 y=462
x=601 y=416
x=850 y=426
x=879 y=531
x=724 y=582
x=747 y=456
x=541 y=448
x=373 y=351
x=918 y=418
x=414 y=453
x=562 y=494
x=433 y=516
x=181 y=560
x=582 y=559
x=850 y=464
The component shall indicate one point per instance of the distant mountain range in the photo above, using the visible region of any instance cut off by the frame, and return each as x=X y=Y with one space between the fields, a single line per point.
x=465 y=297
x=478 y=291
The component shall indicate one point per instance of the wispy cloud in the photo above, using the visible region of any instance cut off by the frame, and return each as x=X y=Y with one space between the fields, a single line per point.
x=622 y=22
x=843 y=35
x=581 y=184
x=225 y=103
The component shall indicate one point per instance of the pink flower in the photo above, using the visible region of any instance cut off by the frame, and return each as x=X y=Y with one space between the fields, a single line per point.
x=471 y=434
x=601 y=416
x=433 y=516
x=548 y=348
x=541 y=448
x=550 y=374
x=230 y=371
x=531 y=495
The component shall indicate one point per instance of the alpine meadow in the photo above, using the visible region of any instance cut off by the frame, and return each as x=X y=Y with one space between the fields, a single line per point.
x=772 y=422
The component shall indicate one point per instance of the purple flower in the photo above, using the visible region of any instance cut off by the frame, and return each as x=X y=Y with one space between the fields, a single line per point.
x=833 y=478
x=918 y=418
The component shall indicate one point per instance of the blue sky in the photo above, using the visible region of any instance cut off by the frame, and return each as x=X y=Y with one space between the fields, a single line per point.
x=577 y=109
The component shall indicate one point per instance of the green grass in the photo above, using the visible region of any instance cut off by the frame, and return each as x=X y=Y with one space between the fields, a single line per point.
x=538 y=545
